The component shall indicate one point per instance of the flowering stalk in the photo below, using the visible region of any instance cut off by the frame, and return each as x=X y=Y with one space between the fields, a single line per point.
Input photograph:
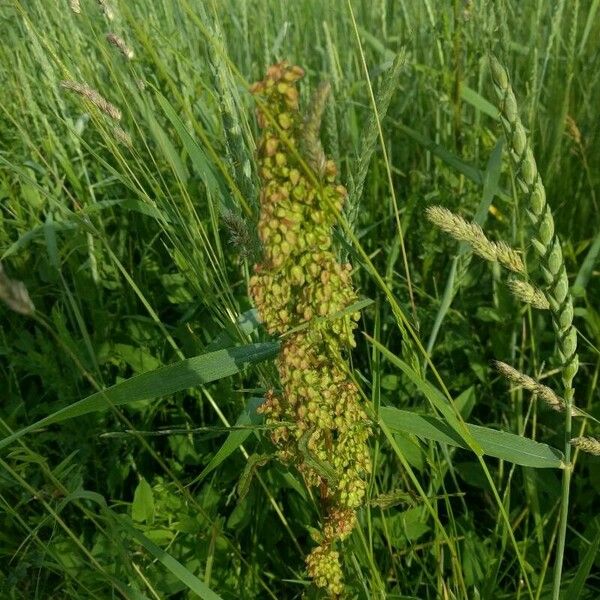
x=554 y=272
x=118 y=42
x=93 y=97
x=321 y=428
x=587 y=444
x=548 y=395
x=472 y=233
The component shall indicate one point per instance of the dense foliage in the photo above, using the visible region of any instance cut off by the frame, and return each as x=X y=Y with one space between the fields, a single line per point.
x=131 y=169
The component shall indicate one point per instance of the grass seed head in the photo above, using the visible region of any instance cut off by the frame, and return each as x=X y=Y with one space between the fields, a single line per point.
x=107 y=9
x=472 y=234
x=122 y=136
x=119 y=43
x=94 y=97
x=15 y=295
x=521 y=380
x=587 y=444
x=528 y=293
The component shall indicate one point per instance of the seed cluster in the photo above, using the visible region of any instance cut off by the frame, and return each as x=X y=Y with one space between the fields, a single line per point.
x=545 y=240
x=472 y=233
x=320 y=426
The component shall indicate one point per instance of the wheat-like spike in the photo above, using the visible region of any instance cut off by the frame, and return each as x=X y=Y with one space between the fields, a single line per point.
x=119 y=43
x=15 y=295
x=509 y=257
x=528 y=293
x=122 y=136
x=546 y=241
x=93 y=97
x=109 y=13
x=587 y=444
x=311 y=138
x=543 y=391
x=75 y=6
x=370 y=136
x=239 y=235
x=229 y=104
x=573 y=131
x=462 y=230
x=465 y=231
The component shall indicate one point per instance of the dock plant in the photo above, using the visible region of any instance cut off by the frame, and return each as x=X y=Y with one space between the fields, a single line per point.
x=302 y=292
x=178 y=308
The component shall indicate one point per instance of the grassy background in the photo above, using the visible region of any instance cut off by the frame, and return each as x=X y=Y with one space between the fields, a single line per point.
x=139 y=257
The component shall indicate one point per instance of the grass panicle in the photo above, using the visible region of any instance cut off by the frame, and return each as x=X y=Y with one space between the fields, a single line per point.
x=120 y=44
x=370 y=137
x=528 y=293
x=107 y=9
x=122 y=136
x=93 y=97
x=548 y=395
x=588 y=444
x=311 y=135
x=236 y=130
x=464 y=231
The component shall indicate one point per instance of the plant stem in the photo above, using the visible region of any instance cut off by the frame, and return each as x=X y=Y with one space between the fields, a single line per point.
x=564 y=506
x=552 y=266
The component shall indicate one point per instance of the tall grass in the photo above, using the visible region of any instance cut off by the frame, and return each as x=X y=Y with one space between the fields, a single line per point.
x=135 y=241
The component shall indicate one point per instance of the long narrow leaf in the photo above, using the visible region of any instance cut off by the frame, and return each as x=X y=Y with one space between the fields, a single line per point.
x=435 y=397
x=160 y=382
x=173 y=565
x=499 y=444
x=235 y=439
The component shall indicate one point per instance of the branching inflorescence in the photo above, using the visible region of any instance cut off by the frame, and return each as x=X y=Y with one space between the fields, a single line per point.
x=300 y=287
x=553 y=294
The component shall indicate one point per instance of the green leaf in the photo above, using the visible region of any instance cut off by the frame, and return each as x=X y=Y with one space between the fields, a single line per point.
x=164 y=143
x=479 y=102
x=407 y=526
x=167 y=380
x=499 y=444
x=173 y=565
x=202 y=166
x=246 y=323
x=436 y=398
x=235 y=439
x=587 y=267
x=128 y=204
x=453 y=161
x=142 y=508
x=38 y=231
x=583 y=570
x=137 y=357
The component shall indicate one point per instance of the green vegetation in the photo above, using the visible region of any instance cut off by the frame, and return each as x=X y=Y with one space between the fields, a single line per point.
x=138 y=458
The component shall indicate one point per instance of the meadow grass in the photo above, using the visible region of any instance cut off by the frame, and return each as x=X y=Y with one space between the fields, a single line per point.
x=133 y=460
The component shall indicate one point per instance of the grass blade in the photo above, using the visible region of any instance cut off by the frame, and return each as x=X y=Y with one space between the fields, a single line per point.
x=160 y=382
x=499 y=444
